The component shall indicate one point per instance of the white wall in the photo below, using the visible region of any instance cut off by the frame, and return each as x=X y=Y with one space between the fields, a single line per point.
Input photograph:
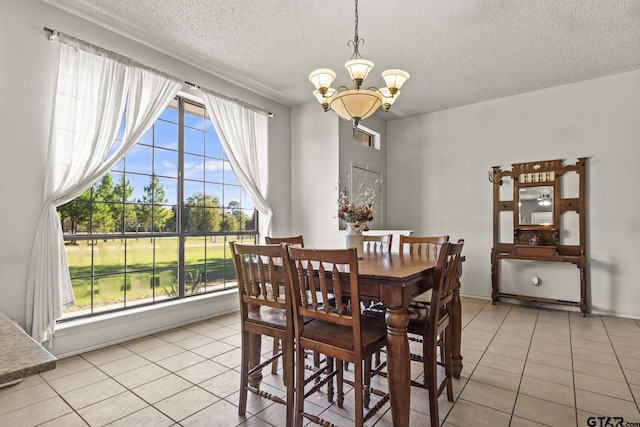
x=27 y=76
x=437 y=180
x=322 y=153
x=355 y=154
x=314 y=176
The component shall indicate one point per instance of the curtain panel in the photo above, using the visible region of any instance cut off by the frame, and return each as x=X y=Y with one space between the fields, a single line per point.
x=91 y=94
x=244 y=137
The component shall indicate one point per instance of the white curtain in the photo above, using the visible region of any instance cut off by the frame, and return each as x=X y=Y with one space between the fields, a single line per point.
x=91 y=94
x=244 y=137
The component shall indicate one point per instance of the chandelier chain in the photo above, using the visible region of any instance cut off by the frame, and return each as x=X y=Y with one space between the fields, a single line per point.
x=356 y=41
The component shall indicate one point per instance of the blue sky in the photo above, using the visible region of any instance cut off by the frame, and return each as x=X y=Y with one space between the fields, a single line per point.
x=204 y=160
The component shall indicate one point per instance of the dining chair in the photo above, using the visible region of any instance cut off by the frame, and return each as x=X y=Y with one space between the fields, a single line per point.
x=315 y=275
x=265 y=311
x=433 y=324
x=377 y=244
x=293 y=240
x=426 y=246
x=423 y=246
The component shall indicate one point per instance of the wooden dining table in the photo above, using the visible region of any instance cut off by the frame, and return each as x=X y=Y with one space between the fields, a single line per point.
x=394 y=280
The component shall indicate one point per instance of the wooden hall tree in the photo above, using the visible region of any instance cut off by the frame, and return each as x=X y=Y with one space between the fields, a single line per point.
x=538 y=206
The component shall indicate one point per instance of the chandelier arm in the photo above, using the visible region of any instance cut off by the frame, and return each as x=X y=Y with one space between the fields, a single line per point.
x=341 y=87
x=375 y=89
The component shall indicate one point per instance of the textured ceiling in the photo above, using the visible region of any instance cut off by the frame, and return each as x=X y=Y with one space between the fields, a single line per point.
x=458 y=52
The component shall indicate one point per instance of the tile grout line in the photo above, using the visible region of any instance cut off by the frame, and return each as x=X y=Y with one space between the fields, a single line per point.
x=573 y=371
x=73 y=410
x=513 y=410
x=620 y=364
x=483 y=353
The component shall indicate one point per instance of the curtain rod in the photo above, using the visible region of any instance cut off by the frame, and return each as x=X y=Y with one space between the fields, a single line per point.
x=57 y=36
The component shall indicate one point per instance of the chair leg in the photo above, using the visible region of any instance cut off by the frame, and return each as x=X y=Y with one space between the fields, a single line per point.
x=330 y=368
x=431 y=379
x=316 y=363
x=358 y=404
x=286 y=360
x=288 y=370
x=340 y=383
x=425 y=361
x=367 y=383
x=244 y=374
x=448 y=350
x=299 y=401
x=276 y=348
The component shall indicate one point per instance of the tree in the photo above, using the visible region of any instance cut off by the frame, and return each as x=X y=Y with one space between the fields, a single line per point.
x=251 y=222
x=202 y=213
x=76 y=211
x=124 y=214
x=102 y=219
x=103 y=200
x=150 y=208
x=241 y=218
x=229 y=222
x=104 y=191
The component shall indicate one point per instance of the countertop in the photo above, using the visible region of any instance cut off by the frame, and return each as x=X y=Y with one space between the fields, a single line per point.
x=21 y=355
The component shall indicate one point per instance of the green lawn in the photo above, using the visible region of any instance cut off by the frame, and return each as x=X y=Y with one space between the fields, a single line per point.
x=124 y=272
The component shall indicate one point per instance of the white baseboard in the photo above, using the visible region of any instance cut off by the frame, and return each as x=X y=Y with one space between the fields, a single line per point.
x=83 y=335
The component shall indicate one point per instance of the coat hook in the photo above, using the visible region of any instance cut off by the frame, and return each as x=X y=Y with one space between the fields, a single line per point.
x=495 y=177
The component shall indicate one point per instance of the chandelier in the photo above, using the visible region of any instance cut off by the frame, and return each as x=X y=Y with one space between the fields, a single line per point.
x=544 y=200
x=356 y=104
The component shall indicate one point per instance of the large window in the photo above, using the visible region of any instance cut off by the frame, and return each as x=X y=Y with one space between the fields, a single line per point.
x=156 y=227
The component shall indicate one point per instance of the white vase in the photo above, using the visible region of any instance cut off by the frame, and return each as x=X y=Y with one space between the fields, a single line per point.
x=354 y=238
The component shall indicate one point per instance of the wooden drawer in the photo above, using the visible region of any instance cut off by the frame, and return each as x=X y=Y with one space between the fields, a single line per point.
x=535 y=251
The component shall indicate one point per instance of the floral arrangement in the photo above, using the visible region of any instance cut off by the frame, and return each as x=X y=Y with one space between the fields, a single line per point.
x=358 y=209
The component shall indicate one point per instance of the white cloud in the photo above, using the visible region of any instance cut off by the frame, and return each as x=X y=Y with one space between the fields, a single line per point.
x=214 y=165
x=193 y=170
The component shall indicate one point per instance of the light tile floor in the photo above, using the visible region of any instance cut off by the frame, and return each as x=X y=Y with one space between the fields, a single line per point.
x=523 y=366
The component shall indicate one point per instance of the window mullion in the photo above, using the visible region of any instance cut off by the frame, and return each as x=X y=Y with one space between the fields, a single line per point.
x=180 y=198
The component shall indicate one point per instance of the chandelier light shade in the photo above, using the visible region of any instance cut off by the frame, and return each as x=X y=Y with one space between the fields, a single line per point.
x=356 y=104
x=358 y=70
x=394 y=79
x=387 y=98
x=322 y=79
x=352 y=104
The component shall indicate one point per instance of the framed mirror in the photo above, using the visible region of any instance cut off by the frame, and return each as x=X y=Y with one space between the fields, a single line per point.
x=535 y=205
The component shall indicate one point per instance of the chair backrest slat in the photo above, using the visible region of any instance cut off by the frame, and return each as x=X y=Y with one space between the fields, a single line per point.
x=321 y=276
x=377 y=244
x=261 y=282
x=292 y=240
x=427 y=246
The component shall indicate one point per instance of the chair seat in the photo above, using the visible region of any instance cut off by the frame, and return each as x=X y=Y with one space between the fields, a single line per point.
x=272 y=317
x=419 y=314
x=373 y=332
x=269 y=316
